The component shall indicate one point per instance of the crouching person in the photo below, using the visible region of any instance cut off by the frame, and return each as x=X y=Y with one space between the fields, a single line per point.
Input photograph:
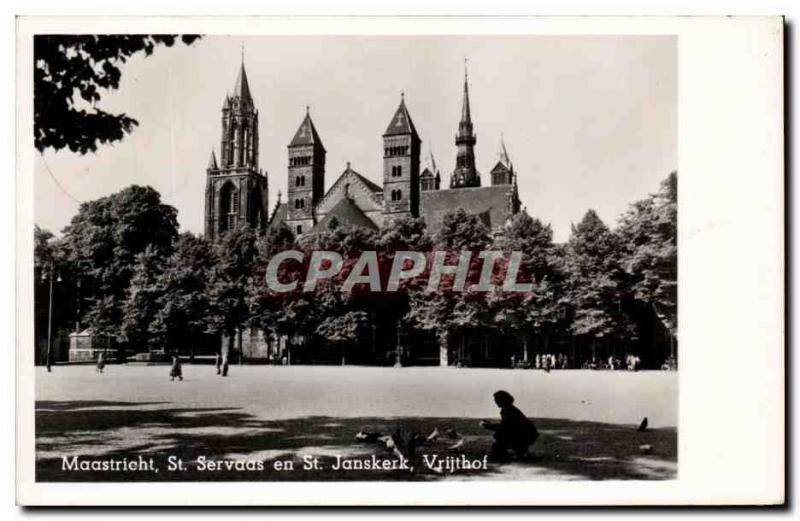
x=515 y=431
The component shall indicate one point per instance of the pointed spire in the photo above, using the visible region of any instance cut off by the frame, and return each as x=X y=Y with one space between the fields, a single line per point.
x=242 y=87
x=212 y=161
x=504 y=153
x=401 y=121
x=465 y=113
x=306 y=133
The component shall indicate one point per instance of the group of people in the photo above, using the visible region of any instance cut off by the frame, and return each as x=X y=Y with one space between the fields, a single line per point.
x=176 y=370
x=220 y=363
x=631 y=363
x=549 y=361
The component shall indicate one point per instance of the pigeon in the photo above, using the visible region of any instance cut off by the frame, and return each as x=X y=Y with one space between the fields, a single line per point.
x=643 y=425
x=456 y=445
x=366 y=436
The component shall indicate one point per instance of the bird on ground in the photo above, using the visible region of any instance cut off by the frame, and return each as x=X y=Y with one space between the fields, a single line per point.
x=643 y=425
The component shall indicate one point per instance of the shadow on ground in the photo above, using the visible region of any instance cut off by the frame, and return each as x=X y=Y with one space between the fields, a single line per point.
x=97 y=431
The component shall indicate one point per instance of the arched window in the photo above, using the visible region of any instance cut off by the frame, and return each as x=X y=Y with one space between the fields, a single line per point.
x=399 y=194
x=229 y=207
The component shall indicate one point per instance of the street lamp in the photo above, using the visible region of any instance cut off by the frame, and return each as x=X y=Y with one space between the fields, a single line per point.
x=48 y=275
x=398 y=353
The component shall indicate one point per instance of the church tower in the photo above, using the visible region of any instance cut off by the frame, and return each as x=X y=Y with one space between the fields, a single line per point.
x=401 y=151
x=465 y=174
x=236 y=189
x=503 y=171
x=306 y=183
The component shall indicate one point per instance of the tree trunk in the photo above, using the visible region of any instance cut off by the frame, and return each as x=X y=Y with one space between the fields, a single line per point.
x=239 y=345
x=525 y=346
x=230 y=344
x=443 y=349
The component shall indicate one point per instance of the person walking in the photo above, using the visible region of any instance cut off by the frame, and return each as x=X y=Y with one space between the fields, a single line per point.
x=101 y=362
x=218 y=363
x=176 y=371
x=225 y=364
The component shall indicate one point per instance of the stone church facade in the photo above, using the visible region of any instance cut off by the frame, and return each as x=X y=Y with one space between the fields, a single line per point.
x=405 y=189
x=237 y=189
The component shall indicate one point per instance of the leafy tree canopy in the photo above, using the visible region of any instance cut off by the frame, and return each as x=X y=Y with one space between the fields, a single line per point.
x=102 y=241
x=70 y=73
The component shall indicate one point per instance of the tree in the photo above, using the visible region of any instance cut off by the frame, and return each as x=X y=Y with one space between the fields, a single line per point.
x=44 y=249
x=183 y=302
x=649 y=234
x=597 y=282
x=70 y=71
x=343 y=330
x=446 y=311
x=142 y=304
x=101 y=244
x=104 y=316
x=229 y=279
x=540 y=309
x=267 y=308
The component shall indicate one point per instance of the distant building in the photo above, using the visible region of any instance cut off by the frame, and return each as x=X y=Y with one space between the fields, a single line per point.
x=236 y=189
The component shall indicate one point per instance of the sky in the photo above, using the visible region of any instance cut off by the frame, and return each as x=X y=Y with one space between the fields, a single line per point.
x=588 y=121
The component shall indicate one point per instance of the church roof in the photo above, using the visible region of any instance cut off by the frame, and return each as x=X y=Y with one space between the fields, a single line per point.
x=426 y=173
x=278 y=216
x=306 y=134
x=242 y=87
x=212 y=161
x=346 y=214
x=369 y=184
x=401 y=123
x=491 y=203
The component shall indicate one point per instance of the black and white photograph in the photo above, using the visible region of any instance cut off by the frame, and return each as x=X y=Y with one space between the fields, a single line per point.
x=428 y=258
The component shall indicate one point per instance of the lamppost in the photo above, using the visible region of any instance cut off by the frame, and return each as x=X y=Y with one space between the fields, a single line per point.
x=48 y=275
x=398 y=353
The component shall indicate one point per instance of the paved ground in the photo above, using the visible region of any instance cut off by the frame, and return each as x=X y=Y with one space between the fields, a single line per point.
x=260 y=415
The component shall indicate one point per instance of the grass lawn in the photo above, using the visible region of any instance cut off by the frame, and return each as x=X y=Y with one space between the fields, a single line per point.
x=587 y=421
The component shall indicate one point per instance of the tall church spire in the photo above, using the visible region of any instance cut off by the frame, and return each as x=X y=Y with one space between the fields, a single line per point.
x=466 y=117
x=236 y=189
x=465 y=174
x=241 y=89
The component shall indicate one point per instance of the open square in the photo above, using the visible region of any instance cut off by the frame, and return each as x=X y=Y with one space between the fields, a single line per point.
x=587 y=421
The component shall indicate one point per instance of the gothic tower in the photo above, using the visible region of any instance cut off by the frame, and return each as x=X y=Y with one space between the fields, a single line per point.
x=306 y=183
x=236 y=190
x=465 y=174
x=401 y=151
